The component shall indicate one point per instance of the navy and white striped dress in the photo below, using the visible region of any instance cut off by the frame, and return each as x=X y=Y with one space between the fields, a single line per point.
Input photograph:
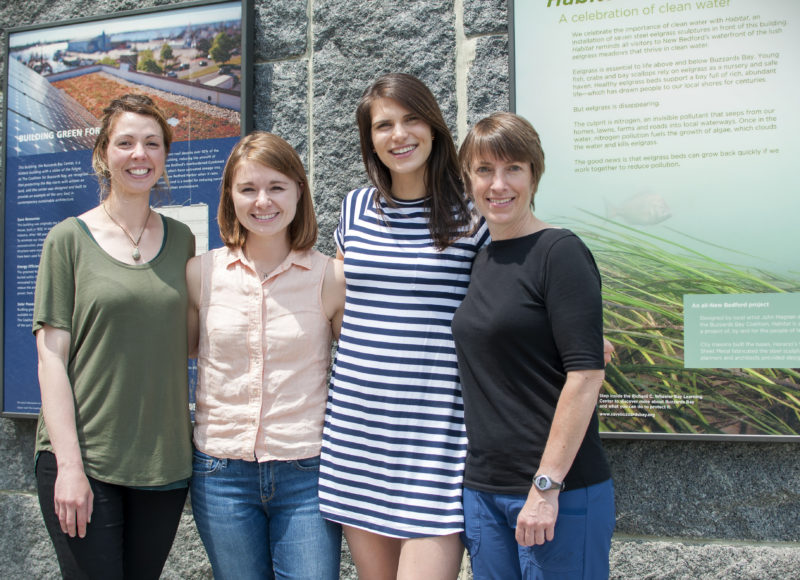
x=394 y=441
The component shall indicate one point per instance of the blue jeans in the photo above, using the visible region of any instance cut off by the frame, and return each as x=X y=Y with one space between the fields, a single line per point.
x=262 y=520
x=580 y=546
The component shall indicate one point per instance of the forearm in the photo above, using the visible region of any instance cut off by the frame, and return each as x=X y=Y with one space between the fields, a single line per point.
x=333 y=289
x=72 y=498
x=572 y=416
x=537 y=518
x=192 y=331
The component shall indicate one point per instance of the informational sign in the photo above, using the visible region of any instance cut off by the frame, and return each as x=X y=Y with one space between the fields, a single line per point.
x=191 y=59
x=741 y=330
x=670 y=132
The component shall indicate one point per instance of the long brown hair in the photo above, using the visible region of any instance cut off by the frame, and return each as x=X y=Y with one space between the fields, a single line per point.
x=449 y=215
x=270 y=151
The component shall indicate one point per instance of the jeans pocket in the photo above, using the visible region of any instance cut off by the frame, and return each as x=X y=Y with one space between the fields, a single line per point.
x=566 y=552
x=307 y=464
x=203 y=464
x=473 y=515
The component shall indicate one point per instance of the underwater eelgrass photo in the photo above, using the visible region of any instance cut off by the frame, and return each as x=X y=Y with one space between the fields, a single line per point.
x=647 y=388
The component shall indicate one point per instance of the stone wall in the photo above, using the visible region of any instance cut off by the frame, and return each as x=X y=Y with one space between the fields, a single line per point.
x=686 y=509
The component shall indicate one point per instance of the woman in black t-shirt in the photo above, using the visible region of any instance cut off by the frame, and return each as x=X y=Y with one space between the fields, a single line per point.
x=538 y=496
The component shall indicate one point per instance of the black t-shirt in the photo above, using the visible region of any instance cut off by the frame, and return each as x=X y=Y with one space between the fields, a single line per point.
x=532 y=313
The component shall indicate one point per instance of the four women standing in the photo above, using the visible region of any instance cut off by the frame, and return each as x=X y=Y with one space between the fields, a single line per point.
x=264 y=310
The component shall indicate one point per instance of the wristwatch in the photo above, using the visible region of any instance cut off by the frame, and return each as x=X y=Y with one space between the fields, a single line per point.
x=543 y=483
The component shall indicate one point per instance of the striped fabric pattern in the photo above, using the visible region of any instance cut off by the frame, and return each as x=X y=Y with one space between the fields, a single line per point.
x=394 y=441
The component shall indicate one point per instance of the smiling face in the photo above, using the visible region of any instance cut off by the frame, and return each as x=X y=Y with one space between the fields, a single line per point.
x=264 y=200
x=135 y=155
x=503 y=192
x=403 y=142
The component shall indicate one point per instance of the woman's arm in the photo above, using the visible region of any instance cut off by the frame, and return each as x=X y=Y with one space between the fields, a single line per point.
x=537 y=519
x=193 y=282
x=73 y=496
x=333 y=294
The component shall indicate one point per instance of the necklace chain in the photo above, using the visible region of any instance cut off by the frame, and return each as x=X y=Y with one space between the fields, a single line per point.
x=136 y=254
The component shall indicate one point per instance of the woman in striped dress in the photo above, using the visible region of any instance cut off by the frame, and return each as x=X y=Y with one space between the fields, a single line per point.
x=394 y=441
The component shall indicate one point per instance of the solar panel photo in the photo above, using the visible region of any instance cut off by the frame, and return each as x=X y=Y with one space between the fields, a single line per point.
x=36 y=110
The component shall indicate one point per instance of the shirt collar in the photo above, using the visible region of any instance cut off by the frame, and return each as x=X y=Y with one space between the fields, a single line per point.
x=302 y=259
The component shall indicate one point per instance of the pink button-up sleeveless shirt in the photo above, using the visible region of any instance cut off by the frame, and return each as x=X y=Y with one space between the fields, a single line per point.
x=263 y=357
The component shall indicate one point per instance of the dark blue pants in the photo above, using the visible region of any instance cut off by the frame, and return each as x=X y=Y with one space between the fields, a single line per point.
x=579 y=549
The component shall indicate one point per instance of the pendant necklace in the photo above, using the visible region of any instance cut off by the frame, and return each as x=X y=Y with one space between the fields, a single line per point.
x=136 y=255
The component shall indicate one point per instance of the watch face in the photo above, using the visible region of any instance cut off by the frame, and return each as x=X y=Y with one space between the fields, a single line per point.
x=543 y=482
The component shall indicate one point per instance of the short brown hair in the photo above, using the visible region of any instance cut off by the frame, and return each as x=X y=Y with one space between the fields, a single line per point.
x=130 y=103
x=504 y=136
x=270 y=151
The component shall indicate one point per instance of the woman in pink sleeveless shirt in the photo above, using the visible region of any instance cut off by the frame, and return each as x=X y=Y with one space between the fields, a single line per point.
x=263 y=313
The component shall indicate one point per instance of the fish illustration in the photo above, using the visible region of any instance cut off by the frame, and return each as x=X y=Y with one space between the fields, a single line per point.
x=643 y=209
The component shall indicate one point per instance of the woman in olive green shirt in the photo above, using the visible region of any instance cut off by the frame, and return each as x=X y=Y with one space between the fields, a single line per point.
x=114 y=435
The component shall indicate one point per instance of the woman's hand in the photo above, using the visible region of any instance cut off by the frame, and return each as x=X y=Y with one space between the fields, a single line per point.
x=536 y=522
x=73 y=499
x=608 y=350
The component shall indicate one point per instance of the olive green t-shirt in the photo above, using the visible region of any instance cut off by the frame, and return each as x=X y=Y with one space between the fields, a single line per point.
x=128 y=353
